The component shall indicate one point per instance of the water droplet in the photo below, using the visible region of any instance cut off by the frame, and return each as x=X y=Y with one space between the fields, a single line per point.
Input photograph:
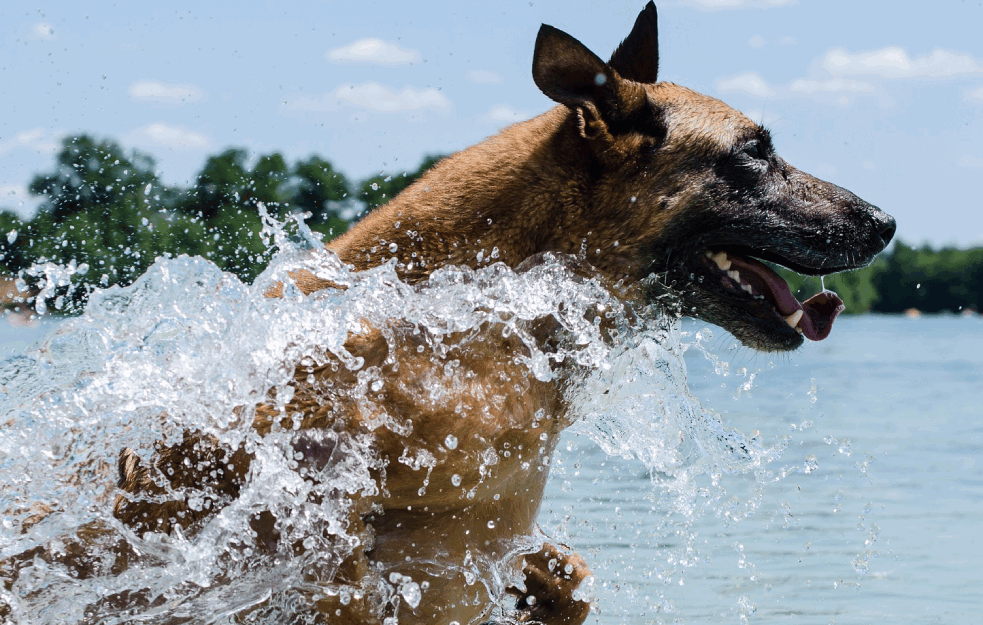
x=456 y=479
x=393 y=247
x=450 y=442
x=491 y=525
x=411 y=593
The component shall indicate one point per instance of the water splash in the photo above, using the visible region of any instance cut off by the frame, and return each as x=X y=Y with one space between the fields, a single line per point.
x=190 y=348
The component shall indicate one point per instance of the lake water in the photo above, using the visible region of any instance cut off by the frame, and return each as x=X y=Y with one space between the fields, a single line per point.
x=877 y=521
x=872 y=513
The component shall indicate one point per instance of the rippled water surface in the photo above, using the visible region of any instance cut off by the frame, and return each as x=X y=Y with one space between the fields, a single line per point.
x=871 y=515
x=703 y=482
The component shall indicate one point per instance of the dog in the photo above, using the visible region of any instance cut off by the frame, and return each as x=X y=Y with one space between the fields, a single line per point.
x=665 y=196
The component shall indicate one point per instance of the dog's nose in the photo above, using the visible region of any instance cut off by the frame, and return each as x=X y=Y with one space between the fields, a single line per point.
x=885 y=224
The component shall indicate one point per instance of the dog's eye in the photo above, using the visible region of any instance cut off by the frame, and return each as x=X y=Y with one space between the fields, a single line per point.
x=753 y=149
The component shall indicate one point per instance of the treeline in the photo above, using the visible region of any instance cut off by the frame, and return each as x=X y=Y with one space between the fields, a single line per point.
x=107 y=211
x=904 y=278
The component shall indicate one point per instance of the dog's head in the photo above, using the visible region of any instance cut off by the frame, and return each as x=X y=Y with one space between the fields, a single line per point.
x=691 y=191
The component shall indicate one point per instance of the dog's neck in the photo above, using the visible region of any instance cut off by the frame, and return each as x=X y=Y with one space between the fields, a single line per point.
x=519 y=193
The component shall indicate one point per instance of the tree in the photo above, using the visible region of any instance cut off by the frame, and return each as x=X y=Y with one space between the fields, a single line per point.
x=11 y=254
x=378 y=190
x=222 y=182
x=100 y=209
x=91 y=175
x=266 y=181
x=317 y=189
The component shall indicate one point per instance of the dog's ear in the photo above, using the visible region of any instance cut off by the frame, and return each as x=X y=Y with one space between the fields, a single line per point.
x=566 y=71
x=637 y=58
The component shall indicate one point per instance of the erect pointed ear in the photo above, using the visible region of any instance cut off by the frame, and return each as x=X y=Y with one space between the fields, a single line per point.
x=637 y=58
x=566 y=71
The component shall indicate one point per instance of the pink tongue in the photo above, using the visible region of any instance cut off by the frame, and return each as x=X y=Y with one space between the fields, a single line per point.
x=820 y=310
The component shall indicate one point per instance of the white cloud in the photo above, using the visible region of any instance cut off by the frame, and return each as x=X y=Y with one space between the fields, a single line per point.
x=374 y=51
x=43 y=30
x=717 y=5
x=167 y=136
x=154 y=91
x=970 y=162
x=36 y=140
x=757 y=41
x=841 y=77
x=482 y=76
x=837 y=91
x=895 y=62
x=750 y=83
x=504 y=114
x=374 y=97
x=810 y=86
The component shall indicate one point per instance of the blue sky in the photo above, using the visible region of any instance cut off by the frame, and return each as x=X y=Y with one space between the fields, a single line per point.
x=883 y=98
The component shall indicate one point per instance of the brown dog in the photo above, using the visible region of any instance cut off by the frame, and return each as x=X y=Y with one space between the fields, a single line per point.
x=666 y=195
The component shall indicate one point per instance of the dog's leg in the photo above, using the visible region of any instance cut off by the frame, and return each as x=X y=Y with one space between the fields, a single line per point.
x=552 y=576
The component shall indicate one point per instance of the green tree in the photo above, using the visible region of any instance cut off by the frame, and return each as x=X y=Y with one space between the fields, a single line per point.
x=11 y=254
x=90 y=175
x=267 y=180
x=220 y=183
x=316 y=188
x=99 y=209
x=378 y=190
x=949 y=279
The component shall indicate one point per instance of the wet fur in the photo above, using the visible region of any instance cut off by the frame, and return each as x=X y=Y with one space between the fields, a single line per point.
x=636 y=177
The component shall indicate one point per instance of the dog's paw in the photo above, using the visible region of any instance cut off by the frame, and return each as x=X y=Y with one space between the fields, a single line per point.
x=551 y=577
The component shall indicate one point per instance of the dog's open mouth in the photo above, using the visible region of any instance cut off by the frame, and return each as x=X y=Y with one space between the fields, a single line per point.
x=743 y=276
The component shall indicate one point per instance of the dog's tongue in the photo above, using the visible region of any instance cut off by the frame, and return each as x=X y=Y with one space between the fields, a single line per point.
x=820 y=310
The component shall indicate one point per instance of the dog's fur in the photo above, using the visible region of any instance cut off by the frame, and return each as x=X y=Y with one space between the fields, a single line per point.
x=637 y=177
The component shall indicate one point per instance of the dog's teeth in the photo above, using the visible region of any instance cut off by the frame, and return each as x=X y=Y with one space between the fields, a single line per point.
x=747 y=289
x=793 y=319
x=722 y=261
x=734 y=275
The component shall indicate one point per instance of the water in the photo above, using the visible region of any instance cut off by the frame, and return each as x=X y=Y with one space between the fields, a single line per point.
x=876 y=521
x=838 y=484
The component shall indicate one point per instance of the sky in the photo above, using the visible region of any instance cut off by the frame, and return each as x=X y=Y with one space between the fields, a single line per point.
x=884 y=98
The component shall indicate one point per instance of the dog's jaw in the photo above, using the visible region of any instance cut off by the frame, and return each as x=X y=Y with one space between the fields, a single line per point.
x=813 y=318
